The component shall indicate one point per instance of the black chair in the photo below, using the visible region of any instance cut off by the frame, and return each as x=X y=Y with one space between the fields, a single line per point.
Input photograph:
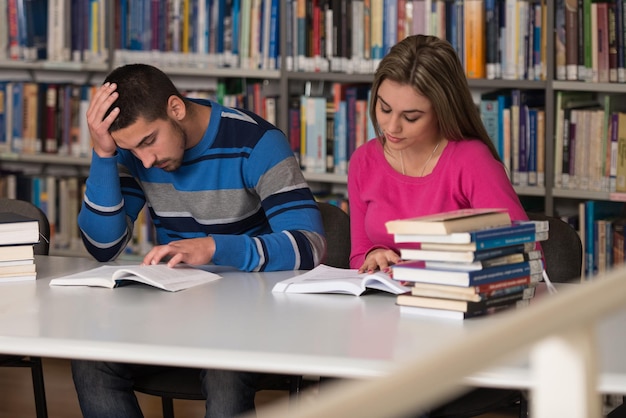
x=563 y=256
x=563 y=251
x=181 y=383
x=337 y=227
x=42 y=248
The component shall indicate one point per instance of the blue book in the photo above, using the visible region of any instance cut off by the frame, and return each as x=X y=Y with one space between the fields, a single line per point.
x=492 y=39
x=532 y=147
x=467 y=278
x=17 y=116
x=537 y=30
x=390 y=25
x=341 y=139
x=221 y=13
x=236 y=14
x=516 y=233
x=464 y=256
x=274 y=30
x=4 y=141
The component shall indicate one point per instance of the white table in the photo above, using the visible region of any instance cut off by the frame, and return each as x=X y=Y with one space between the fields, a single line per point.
x=238 y=323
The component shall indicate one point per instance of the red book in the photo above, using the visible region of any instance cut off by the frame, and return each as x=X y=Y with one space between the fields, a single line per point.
x=50 y=119
x=603 y=42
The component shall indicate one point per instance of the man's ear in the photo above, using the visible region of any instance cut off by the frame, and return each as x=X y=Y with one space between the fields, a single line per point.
x=176 y=108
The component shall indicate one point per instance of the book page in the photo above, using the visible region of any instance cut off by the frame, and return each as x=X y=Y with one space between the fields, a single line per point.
x=100 y=276
x=164 y=277
x=326 y=279
x=160 y=276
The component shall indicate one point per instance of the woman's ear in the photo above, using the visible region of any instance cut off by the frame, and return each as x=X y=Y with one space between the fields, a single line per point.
x=176 y=108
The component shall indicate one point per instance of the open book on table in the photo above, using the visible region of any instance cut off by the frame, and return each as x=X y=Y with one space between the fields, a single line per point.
x=161 y=276
x=326 y=279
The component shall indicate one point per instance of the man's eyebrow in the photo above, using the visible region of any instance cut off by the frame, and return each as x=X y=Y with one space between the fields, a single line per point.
x=404 y=111
x=146 y=139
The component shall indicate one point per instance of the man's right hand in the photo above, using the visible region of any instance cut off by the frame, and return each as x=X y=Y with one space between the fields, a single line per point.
x=103 y=143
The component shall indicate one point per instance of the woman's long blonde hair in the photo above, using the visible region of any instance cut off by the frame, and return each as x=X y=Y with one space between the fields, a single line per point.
x=431 y=66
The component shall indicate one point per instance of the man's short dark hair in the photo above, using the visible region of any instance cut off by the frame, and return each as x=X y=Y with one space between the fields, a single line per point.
x=143 y=92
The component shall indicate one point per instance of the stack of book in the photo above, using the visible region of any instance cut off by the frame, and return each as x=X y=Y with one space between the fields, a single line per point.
x=467 y=263
x=18 y=234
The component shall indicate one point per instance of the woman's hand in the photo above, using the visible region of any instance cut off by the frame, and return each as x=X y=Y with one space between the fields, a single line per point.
x=379 y=259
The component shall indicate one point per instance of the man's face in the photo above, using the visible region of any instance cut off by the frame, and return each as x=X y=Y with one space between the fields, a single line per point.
x=160 y=143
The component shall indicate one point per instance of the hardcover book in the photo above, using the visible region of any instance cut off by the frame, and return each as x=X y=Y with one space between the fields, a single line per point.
x=517 y=231
x=473 y=293
x=18 y=229
x=475 y=265
x=461 y=305
x=463 y=256
x=16 y=252
x=461 y=220
x=467 y=278
x=450 y=314
x=529 y=238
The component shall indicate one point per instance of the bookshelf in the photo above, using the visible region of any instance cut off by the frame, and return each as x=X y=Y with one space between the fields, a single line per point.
x=287 y=79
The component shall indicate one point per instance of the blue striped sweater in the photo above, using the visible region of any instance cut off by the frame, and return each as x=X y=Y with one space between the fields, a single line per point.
x=241 y=184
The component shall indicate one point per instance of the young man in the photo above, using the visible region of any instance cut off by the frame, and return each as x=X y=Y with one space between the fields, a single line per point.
x=222 y=186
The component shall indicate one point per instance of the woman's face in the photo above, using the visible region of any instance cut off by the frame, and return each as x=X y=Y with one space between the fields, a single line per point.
x=405 y=117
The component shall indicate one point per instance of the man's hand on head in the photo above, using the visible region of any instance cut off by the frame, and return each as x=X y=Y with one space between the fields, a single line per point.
x=102 y=100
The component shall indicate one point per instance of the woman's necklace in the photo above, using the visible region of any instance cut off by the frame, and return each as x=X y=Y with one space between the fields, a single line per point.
x=430 y=157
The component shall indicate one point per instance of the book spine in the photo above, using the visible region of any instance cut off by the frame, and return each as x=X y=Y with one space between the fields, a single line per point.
x=50 y=118
x=538 y=29
x=4 y=135
x=620 y=35
x=560 y=40
x=602 y=17
x=390 y=27
x=541 y=147
x=523 y=145
x=612 y=40
x=341 y=139
x=532 y=146
x=620 y=185
x=315 y=161
x=474 y=39
x=490 y=116
x=515 y=135
x=571 y=39
x=492 y=28
x=613 y=141
x=510 y=271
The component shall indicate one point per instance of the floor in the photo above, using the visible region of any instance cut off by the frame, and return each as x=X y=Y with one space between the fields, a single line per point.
x=16 y=400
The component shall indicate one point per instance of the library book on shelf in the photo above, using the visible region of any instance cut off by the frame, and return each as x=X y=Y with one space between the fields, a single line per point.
x=327 y=279
x=471 y=273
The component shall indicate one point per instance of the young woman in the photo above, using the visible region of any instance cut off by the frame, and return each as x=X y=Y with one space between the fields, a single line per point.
x=432 y=153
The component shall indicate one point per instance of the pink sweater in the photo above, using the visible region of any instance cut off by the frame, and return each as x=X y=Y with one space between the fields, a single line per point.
x=466 y=176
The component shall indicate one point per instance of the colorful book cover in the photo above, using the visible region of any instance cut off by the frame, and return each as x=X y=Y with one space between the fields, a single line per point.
x=517 y=233
x=467 y=278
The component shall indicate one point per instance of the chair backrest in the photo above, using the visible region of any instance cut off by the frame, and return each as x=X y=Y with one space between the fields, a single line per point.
x=28 y=209
x=563 y=251
x=337 y=227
